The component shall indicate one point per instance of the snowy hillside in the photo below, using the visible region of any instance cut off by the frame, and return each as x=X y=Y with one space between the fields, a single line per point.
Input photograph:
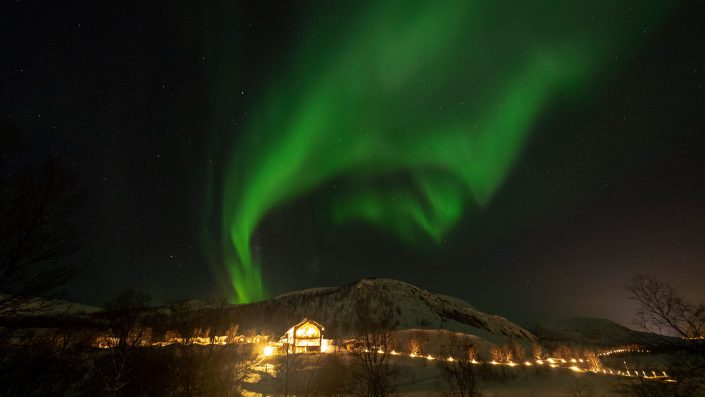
x=51 y=307
x=589 y=332
x=411 y=308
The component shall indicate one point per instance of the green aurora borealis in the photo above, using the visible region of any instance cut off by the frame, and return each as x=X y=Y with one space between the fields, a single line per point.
x=415 y=109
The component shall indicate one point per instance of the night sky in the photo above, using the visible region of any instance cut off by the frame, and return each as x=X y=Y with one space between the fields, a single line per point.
x=528 y=158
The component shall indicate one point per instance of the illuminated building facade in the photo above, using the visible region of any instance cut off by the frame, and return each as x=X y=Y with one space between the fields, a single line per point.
x=304 y=337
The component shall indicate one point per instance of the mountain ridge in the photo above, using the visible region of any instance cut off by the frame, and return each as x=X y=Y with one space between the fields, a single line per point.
x=588 y=331
x=412 y=308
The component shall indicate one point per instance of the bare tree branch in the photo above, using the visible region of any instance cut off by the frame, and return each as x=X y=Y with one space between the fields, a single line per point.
x=38 y=231
x=372 y=351
x=661 y=309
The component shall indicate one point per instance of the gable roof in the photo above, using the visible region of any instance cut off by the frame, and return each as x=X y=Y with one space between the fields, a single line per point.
x=306 y=320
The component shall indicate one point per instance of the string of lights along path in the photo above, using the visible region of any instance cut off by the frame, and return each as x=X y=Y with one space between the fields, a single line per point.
x=575 y=365
x=269 y=349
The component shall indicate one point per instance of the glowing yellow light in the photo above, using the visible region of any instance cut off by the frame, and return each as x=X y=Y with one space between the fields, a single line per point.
x=307 y=331
x=326 y=346
x=539 y=362
x=450 y=359
x=576 y=369
x=430 y=357
x=268 y=351
x=394 y=353
x=528 y=364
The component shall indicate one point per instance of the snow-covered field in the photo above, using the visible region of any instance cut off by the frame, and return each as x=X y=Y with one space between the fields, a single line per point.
x=419 y=377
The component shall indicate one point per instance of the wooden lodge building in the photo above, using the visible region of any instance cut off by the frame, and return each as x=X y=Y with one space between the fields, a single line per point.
x=304 y=337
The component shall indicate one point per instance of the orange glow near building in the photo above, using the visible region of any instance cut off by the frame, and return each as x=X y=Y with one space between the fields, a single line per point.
x=268 y=350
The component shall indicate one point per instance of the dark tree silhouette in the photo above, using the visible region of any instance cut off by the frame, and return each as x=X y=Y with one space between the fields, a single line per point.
x=38 y=228
x=460 y=369
x=663 y=310
x=126 y=318
x=372 y=369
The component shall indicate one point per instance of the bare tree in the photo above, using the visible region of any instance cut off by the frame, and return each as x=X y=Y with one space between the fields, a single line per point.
x=187 y=319
x=234 y=373
x=663 y=310
x=329 y=377
x=502 y=354
x=563 y=351
x=125 y=316
x=38 y=228
x=372 y=369
x=537 y=351
x=286 y=368
x=415 y=347
x=460 y=368
x=516 y=349
x=593 y=360
x=48 y=362
x=216 y=371
x=216 y=316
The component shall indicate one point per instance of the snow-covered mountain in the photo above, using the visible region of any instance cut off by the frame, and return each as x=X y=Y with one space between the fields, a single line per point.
x=408 y=306
x=49 y=307
x=594 y=332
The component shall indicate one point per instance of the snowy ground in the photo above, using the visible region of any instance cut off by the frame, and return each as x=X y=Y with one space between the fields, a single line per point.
x=425 y=380
x=422 y=378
